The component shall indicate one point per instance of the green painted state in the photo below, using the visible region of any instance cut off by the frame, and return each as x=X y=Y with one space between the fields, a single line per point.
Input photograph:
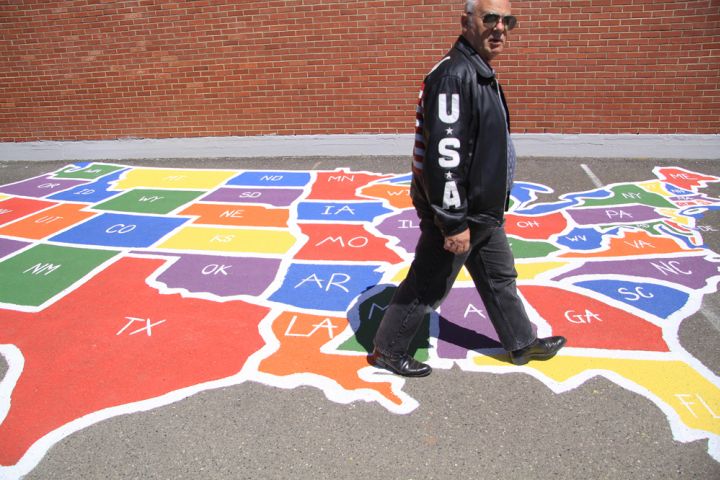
x=91 y=172
x=36 y=275
x=629 y=194
x=149 y=201
x=530 y=248
x=371 y=312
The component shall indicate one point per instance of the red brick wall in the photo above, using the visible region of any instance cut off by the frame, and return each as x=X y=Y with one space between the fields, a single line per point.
x=80 y=69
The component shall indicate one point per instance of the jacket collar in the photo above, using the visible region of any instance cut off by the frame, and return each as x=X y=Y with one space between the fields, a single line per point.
x=482 y=67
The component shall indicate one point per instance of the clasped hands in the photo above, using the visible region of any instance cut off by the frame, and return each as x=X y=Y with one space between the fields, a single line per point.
x=459 y=243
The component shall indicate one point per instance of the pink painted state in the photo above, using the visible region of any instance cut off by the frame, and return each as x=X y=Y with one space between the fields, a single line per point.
x=81 y=356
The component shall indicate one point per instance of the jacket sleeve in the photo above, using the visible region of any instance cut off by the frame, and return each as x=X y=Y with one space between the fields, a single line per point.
x=447 y=131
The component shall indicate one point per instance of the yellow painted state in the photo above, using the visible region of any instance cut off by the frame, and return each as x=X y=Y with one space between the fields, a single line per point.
x=655 y=186
x=526 y=271
x=174 y=179
x=401 y=274
x=231 y=240
x=693 y=397
x=688 y=222
x=3 y=196
x=463 y=276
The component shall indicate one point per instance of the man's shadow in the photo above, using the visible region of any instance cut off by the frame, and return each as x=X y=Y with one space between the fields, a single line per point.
x=454 y=341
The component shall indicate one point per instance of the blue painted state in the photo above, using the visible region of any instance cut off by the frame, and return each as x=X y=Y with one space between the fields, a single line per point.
x=401 y=179
x=340 y=211
x=325 y=287
x=566 y=201
x=581 y=239
x=698 y=211
x=271 y=179
x=94 y=192
x=524 y=192
x=658 y=300
x=120 y=230
x=677 y=190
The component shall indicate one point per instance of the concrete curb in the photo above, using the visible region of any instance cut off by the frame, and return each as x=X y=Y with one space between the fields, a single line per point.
x=689 y=147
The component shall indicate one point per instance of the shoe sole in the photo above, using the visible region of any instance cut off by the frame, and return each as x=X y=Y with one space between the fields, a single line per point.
x=540 y=357
x=381 y=364
x=525 y=360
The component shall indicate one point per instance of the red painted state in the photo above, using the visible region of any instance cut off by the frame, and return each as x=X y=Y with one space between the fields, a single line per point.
x=344 y=242
x=530 y=227
x=589 y=323
x=685 y=178
x=14 y=208
x=341 y=185
x=81 y=355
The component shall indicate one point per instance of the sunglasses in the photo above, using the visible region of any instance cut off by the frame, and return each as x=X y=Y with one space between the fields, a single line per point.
x=490 y=20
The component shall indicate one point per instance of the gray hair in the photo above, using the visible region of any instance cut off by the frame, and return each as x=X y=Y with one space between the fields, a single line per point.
x=470 y=5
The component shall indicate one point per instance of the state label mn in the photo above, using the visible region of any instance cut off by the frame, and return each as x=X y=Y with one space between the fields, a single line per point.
x=36 y=275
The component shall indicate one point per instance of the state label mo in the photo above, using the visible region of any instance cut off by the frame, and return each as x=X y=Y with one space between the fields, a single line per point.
x=358 y=241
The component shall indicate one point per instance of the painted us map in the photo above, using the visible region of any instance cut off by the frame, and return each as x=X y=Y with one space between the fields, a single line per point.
x=123 y=289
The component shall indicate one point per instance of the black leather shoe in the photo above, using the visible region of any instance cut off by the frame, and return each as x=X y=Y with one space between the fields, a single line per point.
x=540 y=349
x=404 y=365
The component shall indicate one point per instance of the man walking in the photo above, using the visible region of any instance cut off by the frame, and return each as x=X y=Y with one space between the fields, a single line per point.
x=463 y=171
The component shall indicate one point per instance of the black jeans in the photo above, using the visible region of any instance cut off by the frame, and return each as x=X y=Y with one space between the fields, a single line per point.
x=432 y=273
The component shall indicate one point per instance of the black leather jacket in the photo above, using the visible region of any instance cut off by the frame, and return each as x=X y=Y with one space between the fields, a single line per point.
x=460 y=166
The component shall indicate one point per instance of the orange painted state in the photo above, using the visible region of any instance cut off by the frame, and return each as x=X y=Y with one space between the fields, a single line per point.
x=301 y=336
x=633 y=243
x=115 y=341
x=237 y=215
x=397 y=195
x=48 y=222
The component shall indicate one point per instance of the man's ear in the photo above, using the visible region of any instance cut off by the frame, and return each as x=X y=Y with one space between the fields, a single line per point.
x=465 y=21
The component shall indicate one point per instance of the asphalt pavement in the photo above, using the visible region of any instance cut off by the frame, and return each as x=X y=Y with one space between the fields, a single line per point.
x=467 y=425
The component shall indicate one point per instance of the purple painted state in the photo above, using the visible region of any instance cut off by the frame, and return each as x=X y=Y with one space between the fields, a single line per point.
x=222 y=276
x=8 y=246
x=405 y=226
x=692 y=272
x=459 y=333
x=279 y=197
x=613 y=215
x=40 y=187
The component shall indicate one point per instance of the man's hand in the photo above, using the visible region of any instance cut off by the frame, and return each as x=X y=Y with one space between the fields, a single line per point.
x=459 y=243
